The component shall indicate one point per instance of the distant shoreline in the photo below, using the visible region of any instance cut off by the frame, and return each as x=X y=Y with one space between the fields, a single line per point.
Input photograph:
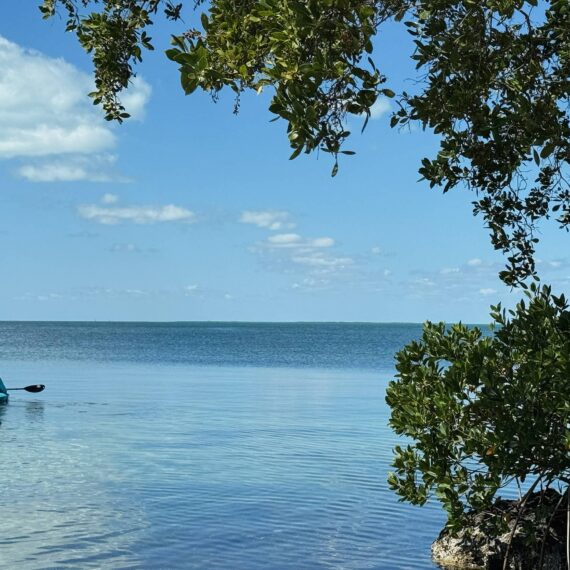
x=260 y=323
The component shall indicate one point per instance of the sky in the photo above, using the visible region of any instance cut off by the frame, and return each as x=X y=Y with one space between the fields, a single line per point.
x=188 y=212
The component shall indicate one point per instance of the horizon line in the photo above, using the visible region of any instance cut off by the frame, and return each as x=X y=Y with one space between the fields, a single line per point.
x=105 y=321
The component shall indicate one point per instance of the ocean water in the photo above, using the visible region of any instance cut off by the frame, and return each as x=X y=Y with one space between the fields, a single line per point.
x=203 y=446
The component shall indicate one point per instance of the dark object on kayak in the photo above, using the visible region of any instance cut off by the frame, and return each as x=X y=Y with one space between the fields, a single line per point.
x=34 y=388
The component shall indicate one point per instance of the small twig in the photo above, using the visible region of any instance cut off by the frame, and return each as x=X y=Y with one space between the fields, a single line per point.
x=540 y=561
x=519 y=514
x=568 y=528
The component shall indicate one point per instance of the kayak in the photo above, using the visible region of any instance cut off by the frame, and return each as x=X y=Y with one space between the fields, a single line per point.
x=3 y=393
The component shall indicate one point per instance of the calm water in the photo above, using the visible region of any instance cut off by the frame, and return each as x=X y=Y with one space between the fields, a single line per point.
x=203 y=446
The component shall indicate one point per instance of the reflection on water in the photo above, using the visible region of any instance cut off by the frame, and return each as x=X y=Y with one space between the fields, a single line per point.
x=34 y=410
x=135 y=466
x=57 y=511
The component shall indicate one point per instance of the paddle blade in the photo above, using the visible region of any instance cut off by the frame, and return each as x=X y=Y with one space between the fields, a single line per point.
x=35 y=388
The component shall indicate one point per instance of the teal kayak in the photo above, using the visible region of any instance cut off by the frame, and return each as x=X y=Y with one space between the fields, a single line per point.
x=3 y=392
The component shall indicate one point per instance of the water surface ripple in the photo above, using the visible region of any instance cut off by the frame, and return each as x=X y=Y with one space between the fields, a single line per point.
x=152 y=448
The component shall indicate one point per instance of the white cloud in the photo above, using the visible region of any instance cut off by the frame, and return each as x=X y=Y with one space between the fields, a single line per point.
x=322 y=242
x=380 y=108
x=319 y=260
x=72 y=169
x=284 y=239
x=311 y=284
x=52 y=172
x=376 y=250
x=424 y=282
x=296 y=241
x=41 y=297
x=83 y=293
x=109 y=198
x=45 y=112
x=112 y=215
x=475 y=262
x=270 y=219
x=449 y=270
x=135 y=98
x=191 y=290
x=486 y=291
x=136 y=292
x=555 y=264
x=43 y=140
x=294 y=253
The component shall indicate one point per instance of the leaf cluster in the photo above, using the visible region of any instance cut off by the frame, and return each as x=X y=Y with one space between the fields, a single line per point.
x=481 y=410
x=113 y=32
x=313 y=54
x=495 y=85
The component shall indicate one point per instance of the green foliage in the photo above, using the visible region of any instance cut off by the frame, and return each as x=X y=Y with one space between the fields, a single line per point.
x=312 y=53
x=484 y=410
x=496 y=89
x=115 y=37
x=493 y=82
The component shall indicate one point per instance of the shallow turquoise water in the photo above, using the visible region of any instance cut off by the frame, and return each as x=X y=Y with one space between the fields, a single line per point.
x=177 y=446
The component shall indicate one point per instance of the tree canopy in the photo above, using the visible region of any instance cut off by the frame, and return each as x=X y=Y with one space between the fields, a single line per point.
x=484 y=410
x=493 y=81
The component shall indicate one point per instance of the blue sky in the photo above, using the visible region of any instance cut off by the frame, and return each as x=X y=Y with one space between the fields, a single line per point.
x=187 y=212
